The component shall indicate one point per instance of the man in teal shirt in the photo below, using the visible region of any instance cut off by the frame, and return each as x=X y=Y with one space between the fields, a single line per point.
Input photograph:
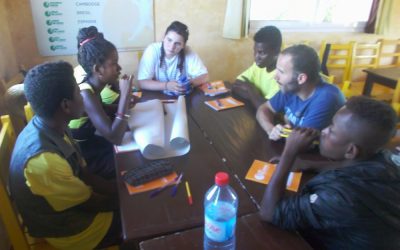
x=257 y=83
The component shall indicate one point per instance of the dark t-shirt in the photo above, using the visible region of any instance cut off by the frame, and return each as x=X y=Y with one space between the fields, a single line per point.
x=356 y=207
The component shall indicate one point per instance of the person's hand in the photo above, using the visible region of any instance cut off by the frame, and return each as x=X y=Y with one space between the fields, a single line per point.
x=125 y=85
x=242 y=89
x=300 y=139
x=175 y=87
x=133 y=100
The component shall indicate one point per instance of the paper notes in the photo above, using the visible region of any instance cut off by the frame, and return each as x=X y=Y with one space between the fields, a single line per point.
x=224 y=103
x=262 y=172
x=214 y=88
x=128 y=144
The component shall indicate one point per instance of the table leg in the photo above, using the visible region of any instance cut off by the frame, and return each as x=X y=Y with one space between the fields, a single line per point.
x=369 y=82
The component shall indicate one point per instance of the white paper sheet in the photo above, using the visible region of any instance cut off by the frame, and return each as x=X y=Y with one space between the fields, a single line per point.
x=160 y=134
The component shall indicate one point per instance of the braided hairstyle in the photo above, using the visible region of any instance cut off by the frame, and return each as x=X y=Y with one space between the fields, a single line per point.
x=92 y=49
x=182 y=30
x=47 y=85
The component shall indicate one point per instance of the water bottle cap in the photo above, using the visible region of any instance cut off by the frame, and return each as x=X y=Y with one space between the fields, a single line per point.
x=221 y=179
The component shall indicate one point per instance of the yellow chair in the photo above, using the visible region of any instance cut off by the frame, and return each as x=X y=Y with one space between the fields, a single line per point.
x=364 y=56
x=390 y=53
x=28 y=112
x=327 y=78
x=396 y=98
x=338 y=58
x=9 y=217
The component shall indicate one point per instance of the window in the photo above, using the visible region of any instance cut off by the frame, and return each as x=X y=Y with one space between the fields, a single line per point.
x=310 y=15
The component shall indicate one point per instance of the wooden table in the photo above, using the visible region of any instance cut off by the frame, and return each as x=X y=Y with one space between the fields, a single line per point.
x=239 y=139
x=228 y=141
x=251 y=233
x=385 y=76
x=144 y=217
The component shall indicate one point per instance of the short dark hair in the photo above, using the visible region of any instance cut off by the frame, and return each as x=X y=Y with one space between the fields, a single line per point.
x=378 y=117
x=305 y=60
x=271 y=36
x=92 y=49
x=47 y=84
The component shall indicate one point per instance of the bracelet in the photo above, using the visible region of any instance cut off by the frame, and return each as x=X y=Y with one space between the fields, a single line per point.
x=121 y=118
x=122 y=115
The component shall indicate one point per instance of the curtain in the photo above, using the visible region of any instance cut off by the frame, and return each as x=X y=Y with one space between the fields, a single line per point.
x=384 y=17
x=370 y=27
x=236 y=23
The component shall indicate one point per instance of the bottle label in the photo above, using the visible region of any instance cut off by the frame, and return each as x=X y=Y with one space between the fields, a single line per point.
x=219 y=230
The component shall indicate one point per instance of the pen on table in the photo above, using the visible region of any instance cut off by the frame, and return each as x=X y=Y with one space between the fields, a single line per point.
x=175 y=188
x=158 y=190
x=219 y=103
x=189 y=195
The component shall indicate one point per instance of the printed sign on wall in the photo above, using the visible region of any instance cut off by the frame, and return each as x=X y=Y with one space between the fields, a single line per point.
x=126 y=23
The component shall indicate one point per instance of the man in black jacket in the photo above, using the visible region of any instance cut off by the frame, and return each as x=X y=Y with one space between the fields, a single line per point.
x=356 y=203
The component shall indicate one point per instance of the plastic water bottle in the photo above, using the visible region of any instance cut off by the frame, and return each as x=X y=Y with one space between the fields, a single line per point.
x=220 y=207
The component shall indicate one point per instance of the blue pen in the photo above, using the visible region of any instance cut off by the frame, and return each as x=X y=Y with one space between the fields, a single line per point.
x=175 y=188
x=159 y=190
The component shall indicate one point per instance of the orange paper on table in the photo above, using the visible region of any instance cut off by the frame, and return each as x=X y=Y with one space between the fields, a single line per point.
x=214 y=88
x=262 y=172
x=137 y=93
x=154 y=184
x=224 y=103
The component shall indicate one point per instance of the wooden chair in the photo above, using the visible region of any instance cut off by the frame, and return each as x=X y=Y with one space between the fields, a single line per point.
x=18 y=238
x=327 y=78
x=396 y=98
x=338 y=58
x=28 y=112
x=390 y=53
x=364 y=56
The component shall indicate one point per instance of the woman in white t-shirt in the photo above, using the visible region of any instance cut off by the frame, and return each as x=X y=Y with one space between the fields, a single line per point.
x=165 y=64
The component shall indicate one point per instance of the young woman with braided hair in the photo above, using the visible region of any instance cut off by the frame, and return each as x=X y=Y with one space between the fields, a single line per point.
x=99 y=128
x=164 y=63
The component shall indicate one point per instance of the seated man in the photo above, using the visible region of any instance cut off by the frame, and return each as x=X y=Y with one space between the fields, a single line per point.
x=304 y=99
x=353 y=204
x=56 y=197
x=257 y=83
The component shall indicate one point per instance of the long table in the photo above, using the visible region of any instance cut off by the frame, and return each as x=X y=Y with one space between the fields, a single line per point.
x=220 y=141
x=251 y=233
x=143 y=217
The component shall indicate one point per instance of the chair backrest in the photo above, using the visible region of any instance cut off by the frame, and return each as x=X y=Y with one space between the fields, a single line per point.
x=28 y=112
x=327 y=78
x=7 y=212
x=390 y=53
x=396 y=98
x=364 y=56
x=338 y=58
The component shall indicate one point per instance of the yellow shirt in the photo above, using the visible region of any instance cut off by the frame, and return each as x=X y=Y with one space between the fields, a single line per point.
x=50 y=176
x=263 y=80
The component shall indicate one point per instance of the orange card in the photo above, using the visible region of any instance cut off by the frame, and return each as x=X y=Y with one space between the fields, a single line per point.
x=262 y=172
x=154 y=184
x=224 y=103
x=137 y=93
x=214 y=88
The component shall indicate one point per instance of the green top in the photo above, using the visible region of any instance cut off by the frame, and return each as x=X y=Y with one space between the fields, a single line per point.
x=263 y=80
